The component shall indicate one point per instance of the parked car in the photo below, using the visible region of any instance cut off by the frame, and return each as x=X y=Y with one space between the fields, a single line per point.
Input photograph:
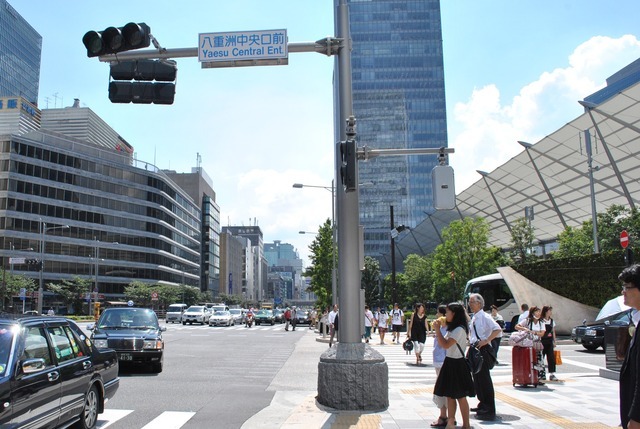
x=278 y=315
x=134 y=333
x=174 y=313
x=238 y=315
x=196 y=313
x=221 y=318
x=49 y=360
x=265 y=316
x=591 y=336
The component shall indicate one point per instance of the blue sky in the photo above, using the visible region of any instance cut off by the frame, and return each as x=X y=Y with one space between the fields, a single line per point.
x=514 y=70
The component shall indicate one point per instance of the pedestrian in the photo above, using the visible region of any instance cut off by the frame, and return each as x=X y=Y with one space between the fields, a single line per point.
x=294 y=317
x=313 y=317
x=482 y=330
x=397 y=321
x=383 y=323
x=368 y=323
x=549 y=340
x=630 y=370
x=376 y=312
x=324 y=322
x=287 y=318
x=454 y=381
x=495 y=343
x=439 y=354
x=525 y=313
x=51 y=312
x=417 y=331
x=333 y=325
x=534 y=325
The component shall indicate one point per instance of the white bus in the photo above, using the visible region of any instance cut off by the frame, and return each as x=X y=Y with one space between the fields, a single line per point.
x=495 y=291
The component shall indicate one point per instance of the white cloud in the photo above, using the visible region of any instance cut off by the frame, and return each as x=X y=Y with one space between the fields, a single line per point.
x=484 y=131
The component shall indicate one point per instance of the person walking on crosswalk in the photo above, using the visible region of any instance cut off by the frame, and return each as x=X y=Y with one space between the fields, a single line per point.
x=397 y=321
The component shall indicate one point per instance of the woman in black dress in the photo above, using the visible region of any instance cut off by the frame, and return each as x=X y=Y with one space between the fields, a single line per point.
x=418 y=331
x=455 y=381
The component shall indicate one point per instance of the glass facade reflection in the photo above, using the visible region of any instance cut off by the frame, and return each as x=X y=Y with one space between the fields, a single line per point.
x=20 y=51
x=399 y=102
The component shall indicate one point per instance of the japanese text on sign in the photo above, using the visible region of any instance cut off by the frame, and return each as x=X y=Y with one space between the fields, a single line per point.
x=242 y=45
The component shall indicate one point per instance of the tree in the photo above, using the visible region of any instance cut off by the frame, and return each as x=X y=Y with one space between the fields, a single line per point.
x=370 y=281
x=320 y=271
x=463 y=255
x=419 y=275
x=401 y=291
x=71 y=292
x=13 y=284
x=522 y=236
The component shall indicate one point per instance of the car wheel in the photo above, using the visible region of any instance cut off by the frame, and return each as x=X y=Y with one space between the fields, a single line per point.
x=272 y=322
x=184 y=323
x=89 y=415
x=590 y=347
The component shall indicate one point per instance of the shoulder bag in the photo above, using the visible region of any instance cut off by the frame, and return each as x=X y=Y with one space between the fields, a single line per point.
x=473 y=358
x=488 y=353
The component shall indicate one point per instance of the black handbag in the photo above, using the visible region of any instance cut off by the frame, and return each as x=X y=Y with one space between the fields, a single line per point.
x=487 y=352
x=473 y=358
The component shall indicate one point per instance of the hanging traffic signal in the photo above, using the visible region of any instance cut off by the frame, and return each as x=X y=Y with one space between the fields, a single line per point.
x=32 y=262
x=349 y=167
x=143 y=82
x=113 y=40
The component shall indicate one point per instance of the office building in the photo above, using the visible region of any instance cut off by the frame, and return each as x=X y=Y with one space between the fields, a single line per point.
x=20 y=53
x=256 y=259
x=399 y=102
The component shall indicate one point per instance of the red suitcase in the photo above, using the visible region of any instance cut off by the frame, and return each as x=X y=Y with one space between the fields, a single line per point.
x=522 y=361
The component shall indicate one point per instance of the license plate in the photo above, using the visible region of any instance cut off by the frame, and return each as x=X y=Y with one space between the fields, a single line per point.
x=125 y=356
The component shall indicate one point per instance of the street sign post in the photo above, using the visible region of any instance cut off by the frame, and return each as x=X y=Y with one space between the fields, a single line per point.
x=243 y=48
x=624 y=238
x=13 y=261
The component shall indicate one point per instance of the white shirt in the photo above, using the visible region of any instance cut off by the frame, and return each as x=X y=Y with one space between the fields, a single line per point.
x=484 y=324
x=368 y=318
x=383 y=318
x=461 y=338
x=523 y=317
x=396 y=317
x=332 y=317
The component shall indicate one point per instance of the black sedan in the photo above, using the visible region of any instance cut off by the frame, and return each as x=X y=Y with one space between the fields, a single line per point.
x=134 y=333
x=591 y=336
x=51 y=374
x=265 y=316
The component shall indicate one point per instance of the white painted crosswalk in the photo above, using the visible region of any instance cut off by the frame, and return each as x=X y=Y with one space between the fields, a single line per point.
x=166 y=420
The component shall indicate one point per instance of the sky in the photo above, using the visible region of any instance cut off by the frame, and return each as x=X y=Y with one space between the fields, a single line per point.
x=514 y=70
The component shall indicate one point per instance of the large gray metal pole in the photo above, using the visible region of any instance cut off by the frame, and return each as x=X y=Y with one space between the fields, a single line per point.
x=594 y=214
x=348 y=219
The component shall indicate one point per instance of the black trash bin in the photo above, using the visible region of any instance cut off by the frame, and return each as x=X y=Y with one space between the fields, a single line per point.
x=616 y=344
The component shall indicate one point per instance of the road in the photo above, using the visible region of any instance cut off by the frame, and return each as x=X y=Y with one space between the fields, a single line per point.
x=218 y=377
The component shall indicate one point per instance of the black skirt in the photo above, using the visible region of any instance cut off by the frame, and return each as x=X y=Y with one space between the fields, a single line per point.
x=455 y=379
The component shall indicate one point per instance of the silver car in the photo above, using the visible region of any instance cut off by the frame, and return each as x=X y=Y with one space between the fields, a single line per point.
x=196 y=314
x=238 y=315
x=221 y=318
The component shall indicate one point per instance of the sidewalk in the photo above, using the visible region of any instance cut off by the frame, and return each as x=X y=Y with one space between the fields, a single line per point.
x=578 y=402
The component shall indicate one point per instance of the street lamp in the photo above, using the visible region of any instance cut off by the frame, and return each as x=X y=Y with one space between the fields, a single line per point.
x=334 y=278
x=97 y=269
x=395 y=230
x=43 y=231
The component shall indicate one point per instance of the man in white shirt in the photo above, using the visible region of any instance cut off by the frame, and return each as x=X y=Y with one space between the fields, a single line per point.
x=523 y=316
x=368 y=323
x=331 y=320
x=397 y=320
x=482 y=330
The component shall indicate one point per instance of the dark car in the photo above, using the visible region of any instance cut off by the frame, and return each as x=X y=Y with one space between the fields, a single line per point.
x=51 y=375
x=278 y=315
x=134 y=333
x=591 y=336
x=302 y=317
x=265 y=316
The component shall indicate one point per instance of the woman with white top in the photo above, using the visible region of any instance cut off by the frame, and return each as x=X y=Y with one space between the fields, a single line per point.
x=536 y=326
x=454 y=381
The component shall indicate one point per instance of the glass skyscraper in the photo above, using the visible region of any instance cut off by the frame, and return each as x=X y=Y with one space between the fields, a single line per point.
x=399 y=102
x=20 y=51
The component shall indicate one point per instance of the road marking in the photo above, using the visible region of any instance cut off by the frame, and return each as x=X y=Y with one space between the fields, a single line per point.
x=170 y=420
x=581 y=364
x=109 y=417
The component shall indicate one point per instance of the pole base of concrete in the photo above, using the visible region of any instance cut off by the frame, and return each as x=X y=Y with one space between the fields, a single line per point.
x=353 y=376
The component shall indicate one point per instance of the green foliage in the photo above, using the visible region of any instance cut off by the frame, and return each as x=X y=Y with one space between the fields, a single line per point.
x=522 y=236
x=320 y=271
x=464 y=254
x=140 y=294
x=13 y=284
x=370 y=280
x=401 y=291
x=590 y=279
x=579 y=241
x=231 y=299
x=71 y=292
x=419 y=276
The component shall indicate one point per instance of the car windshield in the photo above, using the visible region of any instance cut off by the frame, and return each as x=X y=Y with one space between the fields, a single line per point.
x=128 y=318
x=174 y=309
x=222 y=313
x=6 y=337
x=264 y=313
x=235 y=311
x=195 y=309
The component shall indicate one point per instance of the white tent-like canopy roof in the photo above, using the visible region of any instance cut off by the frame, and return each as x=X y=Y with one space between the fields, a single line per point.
x=552 y=176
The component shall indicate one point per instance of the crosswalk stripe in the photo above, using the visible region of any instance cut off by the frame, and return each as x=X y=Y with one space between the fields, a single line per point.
x=169 y=420
x=109 y=417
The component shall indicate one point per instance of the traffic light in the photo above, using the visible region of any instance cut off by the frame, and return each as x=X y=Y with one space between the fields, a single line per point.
x=349 y=167
x=35 y=262
x=113 y=40
x=143 y=82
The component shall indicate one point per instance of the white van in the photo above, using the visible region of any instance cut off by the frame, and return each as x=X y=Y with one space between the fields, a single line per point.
x=174 y=312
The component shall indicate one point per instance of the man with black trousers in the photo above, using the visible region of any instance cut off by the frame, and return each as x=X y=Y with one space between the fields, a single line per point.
x=630 y=371
x=482 y=330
